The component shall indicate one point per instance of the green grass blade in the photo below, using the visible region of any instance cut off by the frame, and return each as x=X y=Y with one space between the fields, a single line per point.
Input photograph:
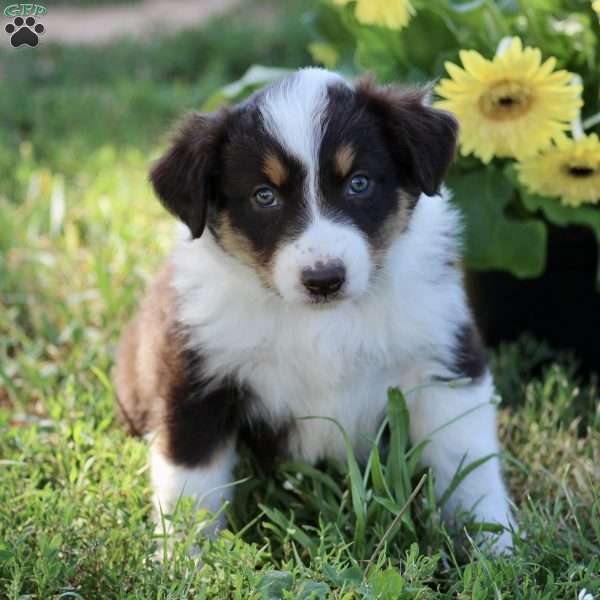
x=461 y=474
x=380 y=485
x=288 y=527
x=397 y=473
x=316 y=474
x=357 y=488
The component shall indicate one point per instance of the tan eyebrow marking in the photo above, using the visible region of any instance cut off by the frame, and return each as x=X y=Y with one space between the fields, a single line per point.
x=274 y=169
x=343 y=159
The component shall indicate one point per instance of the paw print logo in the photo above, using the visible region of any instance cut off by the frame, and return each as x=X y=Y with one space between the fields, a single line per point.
x=24 y=32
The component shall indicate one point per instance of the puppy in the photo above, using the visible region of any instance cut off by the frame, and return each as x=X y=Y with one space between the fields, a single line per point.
x=318 y=268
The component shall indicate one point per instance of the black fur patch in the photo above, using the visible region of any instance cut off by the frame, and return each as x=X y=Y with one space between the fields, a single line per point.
x=348 y=122
x=197 y=423
x=471 y=359
x=184 y=177
x=243 y=158
x=422 y=139
x=267 y=444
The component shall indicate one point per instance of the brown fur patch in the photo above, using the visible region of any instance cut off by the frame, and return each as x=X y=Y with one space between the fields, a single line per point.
x=343 y=160
x=395 y=225
x=149 y=358
x=240 y=246
x=274 y=169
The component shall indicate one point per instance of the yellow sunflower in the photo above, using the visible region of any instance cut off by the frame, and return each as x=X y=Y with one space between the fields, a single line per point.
x=596 y=6
x=512 y=105
x=393 y=14
x=570 y=170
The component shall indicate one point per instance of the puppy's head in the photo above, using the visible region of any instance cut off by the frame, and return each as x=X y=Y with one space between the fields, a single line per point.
x=310 y=180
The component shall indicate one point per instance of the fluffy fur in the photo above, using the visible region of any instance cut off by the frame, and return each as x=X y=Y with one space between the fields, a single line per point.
x=244 y=347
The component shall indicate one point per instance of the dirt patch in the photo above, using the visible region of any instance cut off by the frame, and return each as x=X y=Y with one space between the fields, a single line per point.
x=103 y=24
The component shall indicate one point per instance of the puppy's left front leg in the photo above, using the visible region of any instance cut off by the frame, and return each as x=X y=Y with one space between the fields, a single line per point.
x=460 y=424
x=207 y=483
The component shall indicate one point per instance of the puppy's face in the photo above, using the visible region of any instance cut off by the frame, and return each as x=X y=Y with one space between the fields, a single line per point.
x=309 y=181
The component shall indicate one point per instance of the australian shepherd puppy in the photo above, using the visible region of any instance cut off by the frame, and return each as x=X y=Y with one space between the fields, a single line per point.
x=319 y=266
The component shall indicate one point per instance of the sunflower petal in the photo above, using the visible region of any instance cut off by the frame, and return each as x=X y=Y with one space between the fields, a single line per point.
x=513 y=105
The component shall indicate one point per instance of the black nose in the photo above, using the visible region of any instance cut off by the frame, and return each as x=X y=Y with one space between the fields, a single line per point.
x=324 y=279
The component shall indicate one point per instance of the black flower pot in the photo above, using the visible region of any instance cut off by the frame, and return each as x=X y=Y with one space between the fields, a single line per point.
x=561 y=307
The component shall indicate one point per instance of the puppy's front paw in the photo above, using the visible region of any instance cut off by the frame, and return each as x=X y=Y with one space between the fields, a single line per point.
x=489 y=524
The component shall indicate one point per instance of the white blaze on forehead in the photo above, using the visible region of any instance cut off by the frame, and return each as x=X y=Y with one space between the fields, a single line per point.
x=293 y=112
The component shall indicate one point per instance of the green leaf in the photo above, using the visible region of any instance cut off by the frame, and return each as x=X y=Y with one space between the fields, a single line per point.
x=493 y=239
x=388 y=584
x=395 y=510
x=475 y=24
x=254 y=78
x=324 y=53
x=5 y=554
x=440 y=41
x=351 y=575
x=313 y=590
x=274 y=583
x=294 y=466
x=377 y=476
x=389 y=505
x=559 y=214
x=461 y=474
x=396 y=464
x=381 y=51
x=329 y=23
x=414 y=455
x=288 y=526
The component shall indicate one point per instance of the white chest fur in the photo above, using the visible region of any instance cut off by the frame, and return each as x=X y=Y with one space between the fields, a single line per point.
x=334 y=361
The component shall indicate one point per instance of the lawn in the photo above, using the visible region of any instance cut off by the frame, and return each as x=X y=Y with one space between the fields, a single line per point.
x=80 y=235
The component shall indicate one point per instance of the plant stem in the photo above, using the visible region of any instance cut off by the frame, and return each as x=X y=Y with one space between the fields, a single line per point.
x=591 y=121
x=394 y=523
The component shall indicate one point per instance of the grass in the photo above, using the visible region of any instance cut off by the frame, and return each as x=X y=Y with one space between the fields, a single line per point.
x=80 y=234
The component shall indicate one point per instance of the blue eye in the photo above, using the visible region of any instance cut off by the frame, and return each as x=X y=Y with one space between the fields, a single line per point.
x=264 y=197
x=359 y=185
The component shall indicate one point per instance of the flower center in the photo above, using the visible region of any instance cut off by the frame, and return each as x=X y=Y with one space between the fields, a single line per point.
x=505 y=100
x=580 y=171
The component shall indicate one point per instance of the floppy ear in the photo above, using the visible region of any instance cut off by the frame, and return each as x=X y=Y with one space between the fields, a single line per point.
x=422 y=139
x=183 y=178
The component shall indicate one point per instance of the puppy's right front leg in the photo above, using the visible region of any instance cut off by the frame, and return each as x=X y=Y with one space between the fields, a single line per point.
x=193 y=452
